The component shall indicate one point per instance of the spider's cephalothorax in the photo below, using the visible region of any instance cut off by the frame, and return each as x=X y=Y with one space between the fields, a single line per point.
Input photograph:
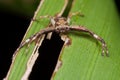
x=59 y=21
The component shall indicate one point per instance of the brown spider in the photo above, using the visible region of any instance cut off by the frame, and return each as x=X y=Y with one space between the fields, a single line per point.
x=60 y=25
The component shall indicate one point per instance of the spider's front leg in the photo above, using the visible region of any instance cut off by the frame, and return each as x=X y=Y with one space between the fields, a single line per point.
x=83 y=29
x=34 y=37
x=37 y=35
x=26 y=42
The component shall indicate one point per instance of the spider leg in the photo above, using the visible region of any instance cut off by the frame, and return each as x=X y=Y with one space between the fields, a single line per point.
x=42 y=17
x=25 y=43
x=52 y=22
x=34 y=37
x=74 y=14
x=83 y=29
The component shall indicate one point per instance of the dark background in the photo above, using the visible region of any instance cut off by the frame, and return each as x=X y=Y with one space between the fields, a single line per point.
x=14 y=26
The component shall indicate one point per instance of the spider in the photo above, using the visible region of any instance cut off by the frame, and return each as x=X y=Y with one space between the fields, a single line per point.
x=60 y=25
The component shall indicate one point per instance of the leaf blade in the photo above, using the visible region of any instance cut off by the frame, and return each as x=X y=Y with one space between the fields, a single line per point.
x=82 y=60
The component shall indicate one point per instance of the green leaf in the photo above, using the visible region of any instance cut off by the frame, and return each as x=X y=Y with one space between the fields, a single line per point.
x=24 y=59
x=82 y=59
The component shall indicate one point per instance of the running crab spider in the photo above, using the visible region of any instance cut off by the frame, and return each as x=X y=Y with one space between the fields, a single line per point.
x=60 y=25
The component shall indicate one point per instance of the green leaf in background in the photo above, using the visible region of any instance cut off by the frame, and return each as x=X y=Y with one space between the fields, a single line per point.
x=82 y=59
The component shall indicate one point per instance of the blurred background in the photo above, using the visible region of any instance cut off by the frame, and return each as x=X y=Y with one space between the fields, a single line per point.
x=15 y=17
